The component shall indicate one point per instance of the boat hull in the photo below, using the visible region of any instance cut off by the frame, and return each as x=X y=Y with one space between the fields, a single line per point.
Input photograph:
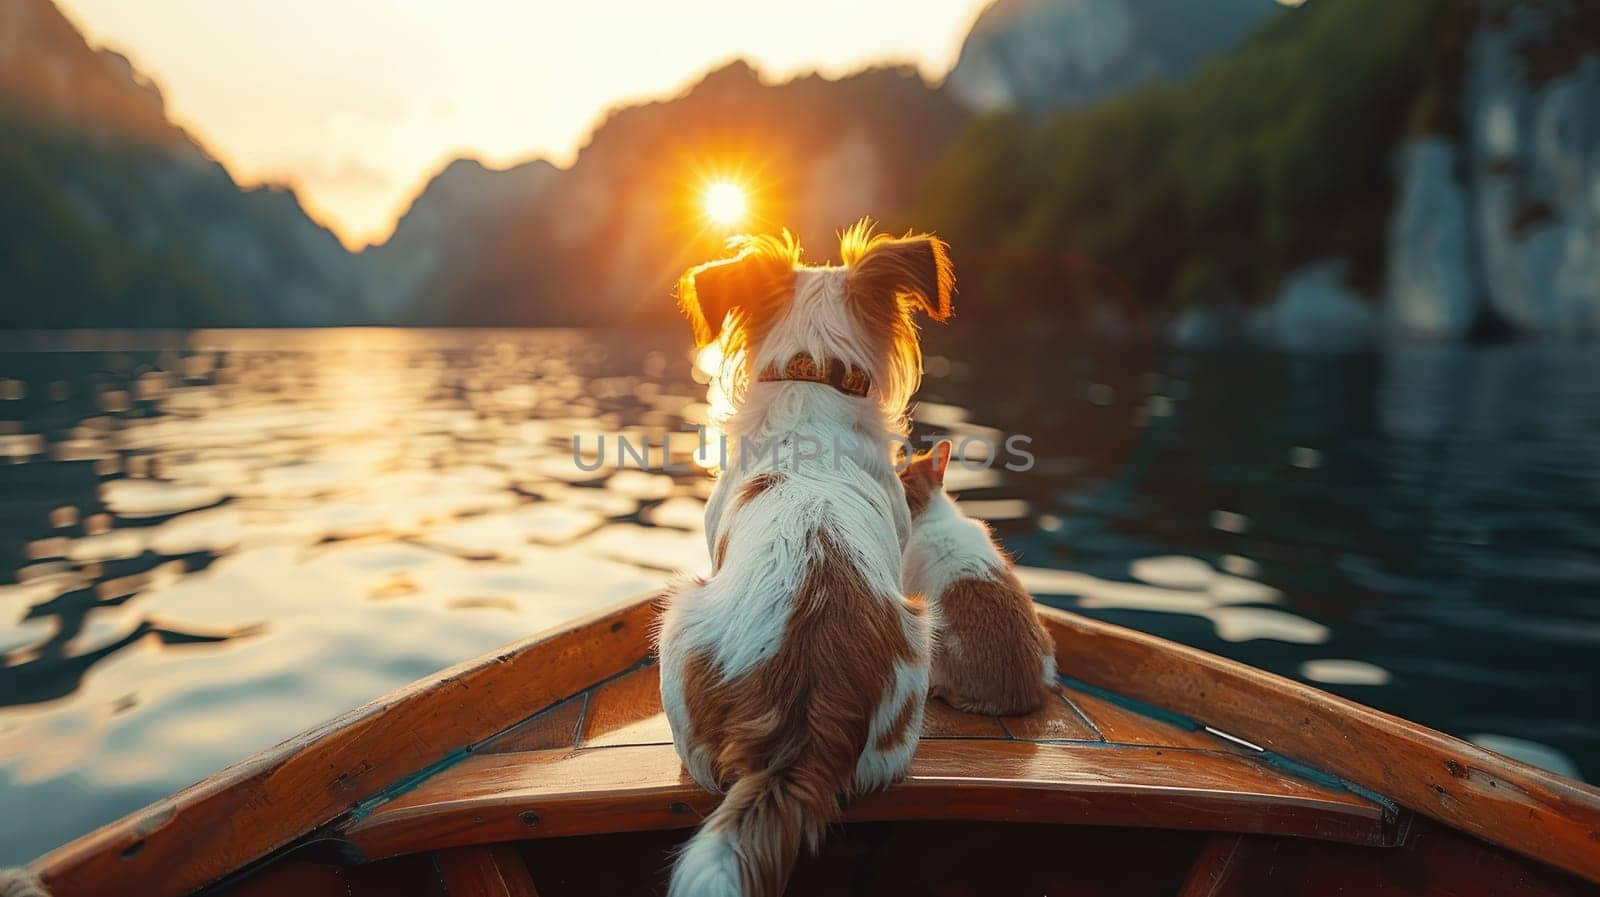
x=499 y=774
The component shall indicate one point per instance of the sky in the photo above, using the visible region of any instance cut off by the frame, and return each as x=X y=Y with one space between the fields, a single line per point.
x=357 y=103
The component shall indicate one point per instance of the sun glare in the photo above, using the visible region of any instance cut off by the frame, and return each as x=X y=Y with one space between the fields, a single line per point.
x=725 y=203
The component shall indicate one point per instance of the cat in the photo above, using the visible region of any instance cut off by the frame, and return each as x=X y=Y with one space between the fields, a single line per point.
x=991 y=654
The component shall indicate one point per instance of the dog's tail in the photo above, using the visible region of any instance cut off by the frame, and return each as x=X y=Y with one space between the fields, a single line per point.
x=20 y=883
x=748 y=845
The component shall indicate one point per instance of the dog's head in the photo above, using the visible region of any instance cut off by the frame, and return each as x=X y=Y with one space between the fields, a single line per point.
x=765 y=306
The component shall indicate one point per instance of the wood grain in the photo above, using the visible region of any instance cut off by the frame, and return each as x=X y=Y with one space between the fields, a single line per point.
x=1525 y=809
x=252 y=808
x=940 y=720
x=1055 y=720
x=1434 y=861
x=627 y=710
x=553 y=728
x=413 y=876
x=1211 y=867
x=899 y=859
x=1122 y=725
x=505 y=797
x=292 y=877
x=491 y=870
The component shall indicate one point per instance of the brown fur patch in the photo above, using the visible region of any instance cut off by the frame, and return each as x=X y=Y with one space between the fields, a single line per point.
x=887 y=280
x=895 y=735
x=752 y=286
x=993 y=660
x=799 y=720
x=914 y=269
x=756 y=485
x=921 y=479
x=722 y=552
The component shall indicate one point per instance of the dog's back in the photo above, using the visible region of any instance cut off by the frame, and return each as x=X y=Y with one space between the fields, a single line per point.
x=793 y=677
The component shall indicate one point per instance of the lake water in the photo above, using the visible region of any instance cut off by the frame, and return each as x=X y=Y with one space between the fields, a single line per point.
x=211 y=541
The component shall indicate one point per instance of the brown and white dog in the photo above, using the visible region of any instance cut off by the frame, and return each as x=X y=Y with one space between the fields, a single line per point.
x=991 y=654
x=794 y=677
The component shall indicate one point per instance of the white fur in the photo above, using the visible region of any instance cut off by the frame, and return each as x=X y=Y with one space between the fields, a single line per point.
x=945 y=547
x=879 y=769
x=21 y=883
x=819 y=323
x=707 y=866
x=673 y=654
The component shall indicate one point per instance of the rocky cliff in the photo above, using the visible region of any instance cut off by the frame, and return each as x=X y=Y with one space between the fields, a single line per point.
x=604 y=241
x=114 y=217
x=1040 y=55
x=1500 y=222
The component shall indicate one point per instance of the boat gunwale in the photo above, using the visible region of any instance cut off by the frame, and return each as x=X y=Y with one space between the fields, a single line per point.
x=491 y=797
x=351 y=764
x=1531 y=811
x=270 y=800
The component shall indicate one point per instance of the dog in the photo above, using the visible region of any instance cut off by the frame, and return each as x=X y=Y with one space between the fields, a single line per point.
x=794 y=677
x=991 y=654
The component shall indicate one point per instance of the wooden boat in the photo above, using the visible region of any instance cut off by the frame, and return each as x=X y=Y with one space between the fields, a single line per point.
x=547 y=769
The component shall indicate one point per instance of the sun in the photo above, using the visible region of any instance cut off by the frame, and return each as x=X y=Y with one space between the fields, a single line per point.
x=725 y=203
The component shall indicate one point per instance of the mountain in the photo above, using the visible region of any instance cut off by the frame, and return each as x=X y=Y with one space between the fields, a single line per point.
x=1308 y=177
x=604 y=241
x=1352 y=169
x=1208 y=191
x=115 y=217
x=1040 y=55
x=406 y=277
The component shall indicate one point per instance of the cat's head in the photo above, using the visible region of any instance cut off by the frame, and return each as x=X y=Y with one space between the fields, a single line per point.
x=923 y=476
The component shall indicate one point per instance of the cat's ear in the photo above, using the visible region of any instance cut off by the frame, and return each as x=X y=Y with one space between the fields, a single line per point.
x=914 y=270
x=941 y=460
x=761 y=271
x=915 y=464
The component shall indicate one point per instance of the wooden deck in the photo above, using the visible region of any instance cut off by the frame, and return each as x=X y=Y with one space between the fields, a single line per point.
x=603 y=762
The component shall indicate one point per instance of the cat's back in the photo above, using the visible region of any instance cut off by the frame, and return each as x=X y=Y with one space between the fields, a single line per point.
x=991 y=655
x=946 y=547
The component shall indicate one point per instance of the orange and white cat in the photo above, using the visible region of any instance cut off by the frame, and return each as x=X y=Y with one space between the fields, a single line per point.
x=991 y=654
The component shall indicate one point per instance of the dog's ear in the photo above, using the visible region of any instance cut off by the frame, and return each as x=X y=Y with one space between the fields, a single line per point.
x=708 y=293
x=914 y=269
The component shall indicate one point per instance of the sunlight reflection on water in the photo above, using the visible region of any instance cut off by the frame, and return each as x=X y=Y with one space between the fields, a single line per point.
x=220 y=539
x=297 y=532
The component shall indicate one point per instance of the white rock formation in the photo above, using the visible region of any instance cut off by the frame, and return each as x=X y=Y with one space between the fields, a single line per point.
x=1535 y=177
x=1433 y=288
x=1315 y=312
